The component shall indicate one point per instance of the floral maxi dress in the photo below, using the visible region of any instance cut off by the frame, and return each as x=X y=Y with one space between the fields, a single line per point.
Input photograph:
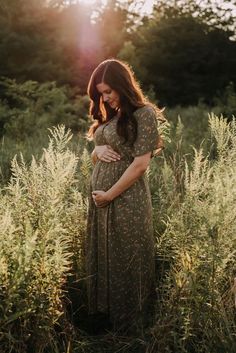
x=120 y=242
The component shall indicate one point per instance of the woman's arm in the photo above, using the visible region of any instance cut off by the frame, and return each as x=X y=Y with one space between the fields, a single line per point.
x=136 y=169
x=105 y=153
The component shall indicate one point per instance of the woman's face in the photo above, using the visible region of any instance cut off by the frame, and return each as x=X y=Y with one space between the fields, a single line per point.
x=109 y=95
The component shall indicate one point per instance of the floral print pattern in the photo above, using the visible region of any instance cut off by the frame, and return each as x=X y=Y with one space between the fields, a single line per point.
x=120 y=243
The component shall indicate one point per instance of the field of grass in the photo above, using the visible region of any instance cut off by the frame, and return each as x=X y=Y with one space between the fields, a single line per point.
x=43 y=209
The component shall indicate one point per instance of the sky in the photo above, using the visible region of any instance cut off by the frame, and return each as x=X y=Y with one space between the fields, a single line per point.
x=148 y=4
x=146 y=9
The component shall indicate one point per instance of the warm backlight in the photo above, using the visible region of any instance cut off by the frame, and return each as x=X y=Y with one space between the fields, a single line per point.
x=91 y=2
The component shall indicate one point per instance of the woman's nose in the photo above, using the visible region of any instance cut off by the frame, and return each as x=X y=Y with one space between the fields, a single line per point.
x=105 y=98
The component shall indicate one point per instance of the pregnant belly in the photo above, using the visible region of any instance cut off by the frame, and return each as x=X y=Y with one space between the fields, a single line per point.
x=105 y=175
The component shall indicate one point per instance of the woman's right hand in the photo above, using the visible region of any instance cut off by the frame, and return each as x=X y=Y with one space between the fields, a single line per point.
x=105 y=153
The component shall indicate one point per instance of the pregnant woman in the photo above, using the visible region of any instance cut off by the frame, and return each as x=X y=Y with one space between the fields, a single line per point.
x=120 y=242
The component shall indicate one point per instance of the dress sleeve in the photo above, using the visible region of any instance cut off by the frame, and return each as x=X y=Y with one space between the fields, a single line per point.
x=147 y=135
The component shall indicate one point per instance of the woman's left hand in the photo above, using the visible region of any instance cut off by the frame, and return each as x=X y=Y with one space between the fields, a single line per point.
x=100 y=198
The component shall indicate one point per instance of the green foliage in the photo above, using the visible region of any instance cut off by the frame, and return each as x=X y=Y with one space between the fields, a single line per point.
x=42 y=216
x=190 y=125
x=42 y=222
x=226 y=102
x=183 y=51
x=29 y=107
x=59 y=41
x=180 y=57
x=42 y=42
x=113 y=23
x=210 y=12
x=27 y=110
x=28 y=42
x=196 y=250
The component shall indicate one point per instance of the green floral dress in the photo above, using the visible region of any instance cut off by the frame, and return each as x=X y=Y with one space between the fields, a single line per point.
x=120 y=242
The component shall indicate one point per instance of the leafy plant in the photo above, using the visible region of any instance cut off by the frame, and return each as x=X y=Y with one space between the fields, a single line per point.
x=41 y=233
x=195 y=311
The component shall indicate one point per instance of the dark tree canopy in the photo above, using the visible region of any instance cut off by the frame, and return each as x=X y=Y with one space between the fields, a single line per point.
x=182 y=52
x=184 y=59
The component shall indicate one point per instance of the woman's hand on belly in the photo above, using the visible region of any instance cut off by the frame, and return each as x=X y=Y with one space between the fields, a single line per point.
x=105 y=153
x=100 y=198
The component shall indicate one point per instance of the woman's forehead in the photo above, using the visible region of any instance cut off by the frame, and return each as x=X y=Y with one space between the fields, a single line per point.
x=101 y=87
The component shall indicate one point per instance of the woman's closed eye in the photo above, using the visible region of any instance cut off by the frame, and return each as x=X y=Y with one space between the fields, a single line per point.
x=105 y=92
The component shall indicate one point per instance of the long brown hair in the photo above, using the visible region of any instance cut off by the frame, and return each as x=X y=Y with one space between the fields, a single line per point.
x=119 y=76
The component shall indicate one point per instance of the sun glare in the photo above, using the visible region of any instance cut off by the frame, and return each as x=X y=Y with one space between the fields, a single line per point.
x=91 y=2
x=144 y=7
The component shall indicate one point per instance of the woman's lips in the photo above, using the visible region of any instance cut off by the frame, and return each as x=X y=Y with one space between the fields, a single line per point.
x=112 y=104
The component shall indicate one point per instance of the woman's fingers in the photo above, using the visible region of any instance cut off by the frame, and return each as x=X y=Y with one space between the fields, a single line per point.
x=106 y=154
x=110 y=157
x=98 y=198
x=110 y=153
x=114 y=155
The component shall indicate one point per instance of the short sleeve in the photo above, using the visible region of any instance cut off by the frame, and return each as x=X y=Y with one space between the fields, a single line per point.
x=147 y=131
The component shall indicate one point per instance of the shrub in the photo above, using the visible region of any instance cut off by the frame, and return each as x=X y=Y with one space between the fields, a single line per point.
x=41 y=232
x=196 y=251
x=28 y=109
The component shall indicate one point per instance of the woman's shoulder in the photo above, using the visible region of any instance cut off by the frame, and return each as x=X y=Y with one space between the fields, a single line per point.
x=147 y=109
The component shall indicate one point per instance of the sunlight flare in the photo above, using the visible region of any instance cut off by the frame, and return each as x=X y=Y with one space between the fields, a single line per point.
x=92 y=2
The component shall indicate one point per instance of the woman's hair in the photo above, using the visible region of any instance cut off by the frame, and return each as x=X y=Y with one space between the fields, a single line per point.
x=120 y=78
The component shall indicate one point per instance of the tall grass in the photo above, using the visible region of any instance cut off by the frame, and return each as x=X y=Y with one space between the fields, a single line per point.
x=42 y=228
x=196 y=250
x=41 y=231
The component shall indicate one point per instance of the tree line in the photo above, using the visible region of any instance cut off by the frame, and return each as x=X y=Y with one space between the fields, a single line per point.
x=181 y=53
